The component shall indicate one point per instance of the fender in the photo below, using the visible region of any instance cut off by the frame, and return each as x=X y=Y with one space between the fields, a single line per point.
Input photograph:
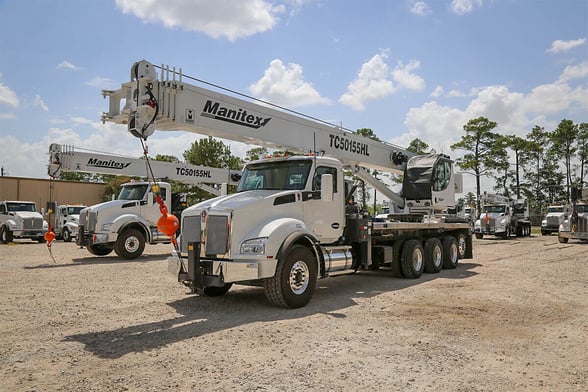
x=12 y=225
x=124 y=221
x=306 y=239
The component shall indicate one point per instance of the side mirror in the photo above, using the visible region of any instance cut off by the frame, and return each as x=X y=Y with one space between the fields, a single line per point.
x=327 y=187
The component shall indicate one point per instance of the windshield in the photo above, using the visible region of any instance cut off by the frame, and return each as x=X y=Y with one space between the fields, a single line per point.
x=495 y=209
x=132 y=192
x=74 y=210
x=580 y=208
x=555 y=209
x=27 y=207
x=275 y=175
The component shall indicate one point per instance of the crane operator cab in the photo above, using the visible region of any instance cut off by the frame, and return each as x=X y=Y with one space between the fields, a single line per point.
x=429 y=183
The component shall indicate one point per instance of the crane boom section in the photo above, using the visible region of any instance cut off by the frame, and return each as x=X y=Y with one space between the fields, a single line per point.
x=171 y=104
x=67 y=158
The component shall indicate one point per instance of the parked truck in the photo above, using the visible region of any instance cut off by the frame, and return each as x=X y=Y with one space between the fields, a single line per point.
x=292 y=219
x=21 y=220
x=555 y=216
x=502 y=217
x=575 y=224
x=126 y=224
x=64 y=220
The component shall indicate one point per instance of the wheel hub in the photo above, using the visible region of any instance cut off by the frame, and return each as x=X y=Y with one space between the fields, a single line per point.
x=299 y=277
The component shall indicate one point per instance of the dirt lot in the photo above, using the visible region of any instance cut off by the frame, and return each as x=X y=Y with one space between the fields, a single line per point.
x=513 y=318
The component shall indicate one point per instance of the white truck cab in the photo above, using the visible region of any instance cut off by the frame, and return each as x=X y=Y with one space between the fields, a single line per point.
x=20 y=219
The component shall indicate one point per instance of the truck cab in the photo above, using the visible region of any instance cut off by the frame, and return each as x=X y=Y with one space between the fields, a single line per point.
x=126 y=224
x=555 y=216
x=20 y=219
x=65 y=221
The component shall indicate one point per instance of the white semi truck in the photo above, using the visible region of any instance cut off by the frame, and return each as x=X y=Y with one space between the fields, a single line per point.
x=575 y=223
x=126 y=224
x=20 y=219
x=502 y=217
x=292 y=219
x=64 y=220
x=555 y=216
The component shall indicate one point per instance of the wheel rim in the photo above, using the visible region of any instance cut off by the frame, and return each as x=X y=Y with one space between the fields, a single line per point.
x=299 y=277
x=417 y=259
x=132 y=244
x=453 y=252
x=65 y=235
x=437 y=256
x=462 y=245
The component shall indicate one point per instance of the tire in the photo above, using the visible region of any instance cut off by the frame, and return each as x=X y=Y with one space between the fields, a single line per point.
x=450 y=252
x=563 y=240
x=412 y=260
x=479 y=236
x=41 y=240
x=294 y=282
x=462 y=246
x=6 y=236
x=66 y=235
x=213 y=291
x=544 y=232
x=99 y=249
x=433 y=255
x=130 y=244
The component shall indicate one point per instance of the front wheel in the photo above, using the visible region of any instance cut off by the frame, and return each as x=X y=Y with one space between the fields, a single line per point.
x=66 y=235
x=130 y=244
x=293 y=283
x=562 y=240
x=479 y=236
x=6 y=235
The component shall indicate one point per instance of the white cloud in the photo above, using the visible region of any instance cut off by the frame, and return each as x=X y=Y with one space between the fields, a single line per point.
x=420 y=8
x=462 y=7
x=574 y=72
x=515 y=112
x=375 y=81
x=284 y=85
x=371 y=83
x=558 y=46
x=437 y=92
x=232 y=19
x=38 y=101
x=7 y=116
x=8 y=97
x=67 y=65
x=404 y=76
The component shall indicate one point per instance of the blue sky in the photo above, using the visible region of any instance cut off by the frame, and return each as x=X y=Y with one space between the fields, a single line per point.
x=403 y=68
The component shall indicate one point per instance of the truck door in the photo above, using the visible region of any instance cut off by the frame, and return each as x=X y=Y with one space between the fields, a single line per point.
x=326 y=219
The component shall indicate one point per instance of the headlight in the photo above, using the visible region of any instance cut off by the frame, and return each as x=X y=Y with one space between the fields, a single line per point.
x=106 y=226
x=543 y=223
x=254 y=246
x=45 y=225
x=502 y=222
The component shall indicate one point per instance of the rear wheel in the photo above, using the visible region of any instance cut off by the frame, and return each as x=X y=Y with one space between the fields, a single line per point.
x=433 y=255
x=6 y=236
x=99 y=249
x=450 y=252
x=130 y=244
x=413 y=259
x=293 y=283
x=462 y=246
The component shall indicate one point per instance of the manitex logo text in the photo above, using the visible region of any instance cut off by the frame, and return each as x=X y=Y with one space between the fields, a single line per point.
x=235 y=116
x=110 y=164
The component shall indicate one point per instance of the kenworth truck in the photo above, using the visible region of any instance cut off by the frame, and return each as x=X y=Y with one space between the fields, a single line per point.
x=292 y=219
x=502 y=217
x=575 y=224
x=126 y=224
x=20 y=219
x=556 y=214
x=64 y=220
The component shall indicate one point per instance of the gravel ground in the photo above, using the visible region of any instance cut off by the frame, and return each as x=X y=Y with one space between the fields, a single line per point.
x=513 y=318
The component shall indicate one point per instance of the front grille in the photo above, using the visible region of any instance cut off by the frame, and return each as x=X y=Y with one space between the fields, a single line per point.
x=582 y=224
x=217 y=235
x=190 y=231
x=490 y=225
x=33 y=223
x=553 y=221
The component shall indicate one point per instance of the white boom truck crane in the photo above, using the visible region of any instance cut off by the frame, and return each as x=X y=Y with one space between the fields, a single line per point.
x=502 y=216
x=290 y=221
x=126 y=224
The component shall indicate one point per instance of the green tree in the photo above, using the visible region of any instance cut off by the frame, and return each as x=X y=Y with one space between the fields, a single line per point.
x=255 y=153
x=209 y=152
x=419 y=147
x=582 y=145
x=564 y=147
x=480 y=143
